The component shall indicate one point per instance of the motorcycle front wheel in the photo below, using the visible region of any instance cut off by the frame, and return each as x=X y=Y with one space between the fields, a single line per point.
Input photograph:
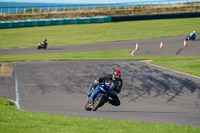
x=87 y=106
x=98 y=102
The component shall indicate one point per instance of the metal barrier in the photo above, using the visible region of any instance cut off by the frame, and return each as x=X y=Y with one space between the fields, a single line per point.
x=99 y=7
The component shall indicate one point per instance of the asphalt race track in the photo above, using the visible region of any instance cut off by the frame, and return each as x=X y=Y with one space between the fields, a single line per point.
x=149 y=93
x=171 y=46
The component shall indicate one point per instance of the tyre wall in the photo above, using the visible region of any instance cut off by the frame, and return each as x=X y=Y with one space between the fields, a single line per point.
x=60 y=21
x=88 y=20
x=155 y=16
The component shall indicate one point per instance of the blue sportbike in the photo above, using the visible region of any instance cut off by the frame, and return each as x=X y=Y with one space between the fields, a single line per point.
x=100 y=95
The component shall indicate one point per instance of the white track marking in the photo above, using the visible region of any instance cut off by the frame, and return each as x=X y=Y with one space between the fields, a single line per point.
x=16 y=88
x=132 y=53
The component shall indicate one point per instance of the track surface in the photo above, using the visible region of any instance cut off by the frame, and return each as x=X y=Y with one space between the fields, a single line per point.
x=149 y=94
x=171 y=46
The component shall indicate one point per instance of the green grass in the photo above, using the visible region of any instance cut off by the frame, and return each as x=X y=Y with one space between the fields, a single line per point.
x=190 y=65
x=92 y=33
x=17 y=121
x=185 y=64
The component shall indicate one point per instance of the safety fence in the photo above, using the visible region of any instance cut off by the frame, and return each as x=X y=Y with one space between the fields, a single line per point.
x=146 y=5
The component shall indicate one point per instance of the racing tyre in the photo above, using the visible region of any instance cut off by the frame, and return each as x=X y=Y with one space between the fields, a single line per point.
x=187 y=38
x=87 y=106
x=98 y=101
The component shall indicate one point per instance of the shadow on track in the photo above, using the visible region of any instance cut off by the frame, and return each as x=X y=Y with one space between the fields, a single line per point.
x=141 y=81
x=141 y=112
x=155 y=83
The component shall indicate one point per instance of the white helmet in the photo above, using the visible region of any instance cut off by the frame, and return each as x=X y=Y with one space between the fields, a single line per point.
x=193 y=31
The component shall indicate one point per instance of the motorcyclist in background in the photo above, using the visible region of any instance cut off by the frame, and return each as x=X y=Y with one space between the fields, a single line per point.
x=116 y=78
x=44 y=43
x=191 y=36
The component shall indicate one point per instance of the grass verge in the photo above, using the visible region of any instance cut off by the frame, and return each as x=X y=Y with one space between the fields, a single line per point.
x=187 y=64
x=17 y=121
x=92 y=33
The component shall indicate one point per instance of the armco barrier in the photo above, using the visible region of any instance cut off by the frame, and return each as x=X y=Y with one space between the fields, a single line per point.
x=154 y=16
x=60 y=21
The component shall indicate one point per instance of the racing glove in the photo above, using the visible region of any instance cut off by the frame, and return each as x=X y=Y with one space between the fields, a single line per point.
x=96 y=82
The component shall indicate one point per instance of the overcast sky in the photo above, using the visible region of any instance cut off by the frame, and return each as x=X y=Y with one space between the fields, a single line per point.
x=74 y=1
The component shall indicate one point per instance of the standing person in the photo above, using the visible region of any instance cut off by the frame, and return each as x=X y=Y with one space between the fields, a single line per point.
x=116 y=78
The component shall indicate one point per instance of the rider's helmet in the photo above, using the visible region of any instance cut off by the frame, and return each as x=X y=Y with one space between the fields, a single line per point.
x=193 y=31
x=116 y=74
x=45 y=39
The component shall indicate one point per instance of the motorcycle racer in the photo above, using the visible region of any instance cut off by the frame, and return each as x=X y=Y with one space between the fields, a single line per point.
x=191 y=36
x=118 y=82
x=44 y=42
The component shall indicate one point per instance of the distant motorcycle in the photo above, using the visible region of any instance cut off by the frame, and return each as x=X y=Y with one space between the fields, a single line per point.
x=42 y=46
x=190 y=37
x=100 y=95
